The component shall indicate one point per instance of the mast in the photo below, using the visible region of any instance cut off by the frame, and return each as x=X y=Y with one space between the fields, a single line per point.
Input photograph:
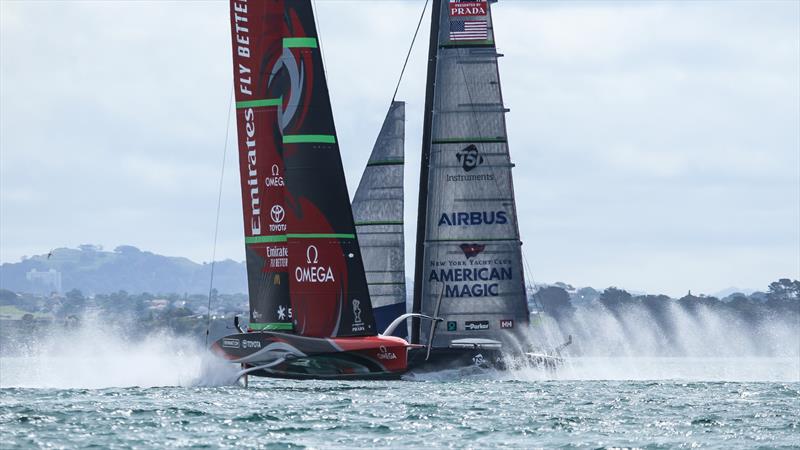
x=422 y=208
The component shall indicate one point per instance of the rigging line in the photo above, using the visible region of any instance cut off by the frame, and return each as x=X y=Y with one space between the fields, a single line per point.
x=411 y=47
x=219 y=205
x=318 y=23
x=532 y=282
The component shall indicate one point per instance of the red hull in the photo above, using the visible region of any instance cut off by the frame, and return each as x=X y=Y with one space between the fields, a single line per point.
x=292 y=356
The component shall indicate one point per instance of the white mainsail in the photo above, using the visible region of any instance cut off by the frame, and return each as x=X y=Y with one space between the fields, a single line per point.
x=378 y=214
x=469 y=252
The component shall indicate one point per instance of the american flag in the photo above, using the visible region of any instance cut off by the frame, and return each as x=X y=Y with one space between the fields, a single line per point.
x=468 y=30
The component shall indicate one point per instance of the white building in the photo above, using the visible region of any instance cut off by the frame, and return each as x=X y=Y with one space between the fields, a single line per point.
x=46 y=282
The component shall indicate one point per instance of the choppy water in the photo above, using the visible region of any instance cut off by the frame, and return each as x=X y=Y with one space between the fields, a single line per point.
x=447 y=409
x=93 y=387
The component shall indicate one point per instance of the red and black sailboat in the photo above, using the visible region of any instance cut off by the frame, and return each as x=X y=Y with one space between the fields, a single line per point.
x=310 y=309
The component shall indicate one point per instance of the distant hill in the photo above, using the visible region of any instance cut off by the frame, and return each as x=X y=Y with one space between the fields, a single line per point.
x=127 y=268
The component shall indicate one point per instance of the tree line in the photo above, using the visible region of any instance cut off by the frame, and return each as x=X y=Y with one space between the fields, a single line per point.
x=782 y=297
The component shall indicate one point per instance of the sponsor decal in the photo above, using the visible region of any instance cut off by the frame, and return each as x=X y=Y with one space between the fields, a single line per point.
x=474 y=177
x=469 y=158
x=483 y=280
x=358 y=324
x=462 y=8
x=278 y=256
x=252 y=171
x=250 y=344
x=471 y=250
x=276 y=180
x=277 y=214
x=452 y=325
x=475 y=277
x=284 y=313
x=242 y=46
x=476 y=325
x=468 y=30
x=230 y=343
x=313 y=273
x=257 y=315
x=508 y=323
x=473 y=218
x=312 y=254
x=385 y=354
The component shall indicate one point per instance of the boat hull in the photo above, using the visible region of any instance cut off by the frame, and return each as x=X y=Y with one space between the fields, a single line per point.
x=281 y=355
x=486 y=358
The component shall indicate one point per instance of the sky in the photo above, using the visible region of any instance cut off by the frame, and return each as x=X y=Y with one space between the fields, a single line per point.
x=657 y=144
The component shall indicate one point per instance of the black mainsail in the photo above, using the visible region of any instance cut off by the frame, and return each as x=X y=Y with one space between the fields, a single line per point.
x=305 y=272
x=378 y=213
x=328 y=287
x=468 y=242
x=310 y=309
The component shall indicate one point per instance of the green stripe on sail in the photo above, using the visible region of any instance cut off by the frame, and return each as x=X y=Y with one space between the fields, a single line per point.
x=271 y=326
x=258 y=103
x=388 y=162
x=320 y=236
x=468 y=140
x=474 y=240
x=387 y=222
x=309 y=139
x=487 y=43
x=300 y=42
x=262 y=239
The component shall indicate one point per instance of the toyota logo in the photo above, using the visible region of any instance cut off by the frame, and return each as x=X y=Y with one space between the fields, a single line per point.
x=277 y=213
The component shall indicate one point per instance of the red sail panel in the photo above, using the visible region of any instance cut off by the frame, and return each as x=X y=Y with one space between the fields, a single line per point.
x=257 y=31
x=327 y=280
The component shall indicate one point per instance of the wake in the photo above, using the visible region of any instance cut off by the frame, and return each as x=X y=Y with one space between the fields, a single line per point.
x=96 y=356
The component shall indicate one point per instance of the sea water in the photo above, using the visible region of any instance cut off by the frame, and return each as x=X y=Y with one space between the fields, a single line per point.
x=94 y=388
x=592 y=403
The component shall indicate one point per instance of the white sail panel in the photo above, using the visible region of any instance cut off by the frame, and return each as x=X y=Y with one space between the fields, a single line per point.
x=378 y=214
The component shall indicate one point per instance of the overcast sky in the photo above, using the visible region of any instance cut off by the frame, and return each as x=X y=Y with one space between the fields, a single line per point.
x=657 y=144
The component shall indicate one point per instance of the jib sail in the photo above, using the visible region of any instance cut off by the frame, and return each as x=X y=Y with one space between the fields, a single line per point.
x=257 y=35
x=328 y=287
x=468 y=244
x=378 y=213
